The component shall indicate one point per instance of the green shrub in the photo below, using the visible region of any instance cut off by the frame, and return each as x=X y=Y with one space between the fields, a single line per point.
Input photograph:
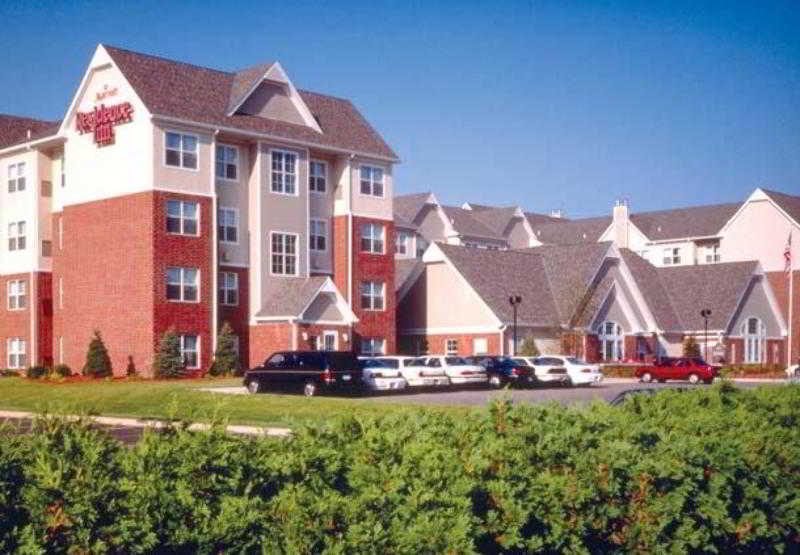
x=735 y=370
x=62 y=370
x=529 y=348
x=707 y=470
x=98 y=363
x=226 y=359
x=168 y=361
x=8 y=373
x=36 y=372
x=691 y=349
x=618 y=371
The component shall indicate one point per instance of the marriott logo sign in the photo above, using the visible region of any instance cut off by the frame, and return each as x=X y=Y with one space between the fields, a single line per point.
x=102 y=120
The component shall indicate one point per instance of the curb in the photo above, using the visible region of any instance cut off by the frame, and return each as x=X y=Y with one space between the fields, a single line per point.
x=135 y=423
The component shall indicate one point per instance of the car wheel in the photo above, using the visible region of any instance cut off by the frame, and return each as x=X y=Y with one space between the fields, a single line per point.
x=568 y=382
x=662 y=381
x=647 y=377
x=254 y=386
x=708 y=381
x=310 y=389
x=694 y=379
x=495 y=382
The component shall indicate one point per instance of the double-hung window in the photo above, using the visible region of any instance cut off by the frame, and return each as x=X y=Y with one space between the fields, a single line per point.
x=16 y=177
x=401 y=243
x=672 y=256
x=16 y=236
x=372 y=295
x=190 y=350
x=372 y=238
x=318 y=234
x=182 y=217
x=452 y=347
x=371 y=181
x=284 y=254
x=284 y=172
x=15 y=347
x=227 y=163
x=229 y=288
x=182 y=284
x=228 y=225
x=373 y=346
x=712 y=254
x=181 y=150
x=17 y=291
x=317 y=176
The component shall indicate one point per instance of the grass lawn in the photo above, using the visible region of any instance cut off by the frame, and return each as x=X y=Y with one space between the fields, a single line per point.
x=181 y=400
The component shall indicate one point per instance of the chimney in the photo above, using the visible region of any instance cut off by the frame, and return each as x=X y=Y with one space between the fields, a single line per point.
x=621 y=223
x=556 y=213
x=29 y=134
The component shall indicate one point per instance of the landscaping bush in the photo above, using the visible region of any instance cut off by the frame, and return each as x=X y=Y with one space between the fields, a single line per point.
x=168 y=361
x=226 y=359
x=62 y=370
x=618 y=371
x=707 y=470
x=98 y=363
x=36 y=372
x=738 y=370
x=8 y=373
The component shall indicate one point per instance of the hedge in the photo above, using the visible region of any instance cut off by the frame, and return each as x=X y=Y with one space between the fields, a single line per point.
x=711 y=470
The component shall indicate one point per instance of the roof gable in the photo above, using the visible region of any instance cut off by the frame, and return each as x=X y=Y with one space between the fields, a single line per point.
x=16 y=130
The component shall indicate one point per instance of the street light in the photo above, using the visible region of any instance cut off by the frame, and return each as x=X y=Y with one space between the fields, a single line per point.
x=705 y=313
x=515 y=300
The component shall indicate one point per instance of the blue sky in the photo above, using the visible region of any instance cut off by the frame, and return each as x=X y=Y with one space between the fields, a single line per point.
x=560 y=104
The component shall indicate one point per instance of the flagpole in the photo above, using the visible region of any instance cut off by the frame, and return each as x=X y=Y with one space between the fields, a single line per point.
x=791 y=307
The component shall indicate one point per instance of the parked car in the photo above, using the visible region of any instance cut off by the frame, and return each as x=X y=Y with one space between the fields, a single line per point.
x=309 y=371
x=556 y=375
x=693 y=369
x=459 y=370
x=793 y=372
x=579 y=372
x=415 y=372
x=380 y=375
x=504 y=370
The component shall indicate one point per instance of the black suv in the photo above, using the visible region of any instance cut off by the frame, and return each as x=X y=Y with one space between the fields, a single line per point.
x=311 y=371
x=503 y=370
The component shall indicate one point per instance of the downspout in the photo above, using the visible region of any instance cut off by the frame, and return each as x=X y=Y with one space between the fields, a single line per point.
x=503 y=339
x=214 y=248
x=32 y=305
x=350 y=237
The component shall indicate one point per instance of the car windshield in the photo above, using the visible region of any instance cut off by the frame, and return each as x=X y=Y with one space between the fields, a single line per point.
x=456 y=361
x=373 y=363
x=391 y=362
x=416 y=362
x=573 y=360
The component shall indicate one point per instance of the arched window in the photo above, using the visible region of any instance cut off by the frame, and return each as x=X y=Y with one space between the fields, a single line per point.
x=611 y=341
x=754 y=333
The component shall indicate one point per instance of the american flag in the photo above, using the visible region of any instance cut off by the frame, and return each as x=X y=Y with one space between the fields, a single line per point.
x=787 y=255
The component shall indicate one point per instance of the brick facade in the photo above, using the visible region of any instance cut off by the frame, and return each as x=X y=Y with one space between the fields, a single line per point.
x=267 y=338
x=780 y=286
x=15 y=323
x=43 y=286
x=437 y=344
x=237 y=316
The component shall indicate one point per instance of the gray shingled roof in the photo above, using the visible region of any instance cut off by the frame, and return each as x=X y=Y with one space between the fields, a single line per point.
x=692 y=221
x=789 y=203
x=408 y=207
x=495 y=219
x=244 y=81
x=655 y=295
x=14 y=129
x=289 y=296
x=569 y=232
x=465 y=223
x=404 y=268
x=203 y=95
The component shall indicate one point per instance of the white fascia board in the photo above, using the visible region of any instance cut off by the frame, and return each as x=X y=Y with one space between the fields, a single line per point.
x=650 y=319
x=328 y=286
x=50 y=140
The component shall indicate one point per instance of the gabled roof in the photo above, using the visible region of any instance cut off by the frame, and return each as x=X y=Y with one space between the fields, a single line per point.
x=14 y=129
x=692 y=221
x=568 y=232
x=465 y=223
x=290 y=296
x=408 y=207
x=495 y=219
x=197 y=94
x=655 y=295
x=788 y=203
x=244 y=81
x=404 y=268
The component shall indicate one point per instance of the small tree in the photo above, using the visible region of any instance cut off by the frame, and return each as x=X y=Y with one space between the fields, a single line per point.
x=98 y=363
x=169 y=362
x=529 y=348
x=226 y=359
x=691 y=349
x=130 y=371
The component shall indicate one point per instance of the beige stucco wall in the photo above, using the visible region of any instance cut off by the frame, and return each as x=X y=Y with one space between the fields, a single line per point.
x=321 y=207
x=270 y=100
x=44 y=222
x=430 y=224
x=759 y=232
x=181 y=179
x=234 y=194
x=756 y=304
x=516 y=234
x=368 y=205
x=20 y=206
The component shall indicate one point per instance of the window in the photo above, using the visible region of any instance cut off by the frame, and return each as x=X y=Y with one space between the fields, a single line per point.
x=644 y=254
x=401 y=243
x=190 y=351
x=318 y=177
x=182 y=217
x=229 y=288
x=47 y=189
x=227 y=162
x=17 y=290
x=755 y=336
x=284 y=172
x=611 y=341
x=372 y=238
x=452 y=347
x=371 y=181
x=63 y=170
x=228 y=225
x=422 y=245
x=284 y=254
x=330 y=341
x=480 y=346
x=16 y=236
x=16 y=177
x=47 y=248
x=182 y=284
x=712 y=254
x=372 y=346
x=372 y=295
x=672 y=256
x=319 y=235
x=16 y=352
x=181 y=150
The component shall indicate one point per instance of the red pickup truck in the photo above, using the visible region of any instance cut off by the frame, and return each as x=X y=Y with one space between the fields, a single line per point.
x=693 y=369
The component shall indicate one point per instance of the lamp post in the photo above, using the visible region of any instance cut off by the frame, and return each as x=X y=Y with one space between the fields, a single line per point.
x=706 y=313
x=515 y=300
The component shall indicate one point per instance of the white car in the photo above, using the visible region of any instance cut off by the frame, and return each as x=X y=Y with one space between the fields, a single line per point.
x=459 y=370
x=553 y=374
x=793 y=372
x=415 y=372
x=377 y=375
x=579 y=371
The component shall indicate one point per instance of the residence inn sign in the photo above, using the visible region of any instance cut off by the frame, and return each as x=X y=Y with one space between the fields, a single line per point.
x=102 y=120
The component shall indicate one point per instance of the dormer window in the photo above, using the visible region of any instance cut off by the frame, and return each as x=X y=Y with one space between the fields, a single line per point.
x=371 y=181
x=227 y=163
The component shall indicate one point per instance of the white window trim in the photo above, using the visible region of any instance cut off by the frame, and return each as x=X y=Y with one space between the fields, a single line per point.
x=197 y=285
x=372 y=239
x=370 y=340
x=297 y=253
x=182 y=202
x=324 y=222
x=199 y=342
x=16 y=176
x=19 y=341
x=484 y=341
x=296 y=172
x=407 y=240
x=237 y=164
x=24 y=283
x=447 y=350
x=372 y=183
x=382 y=296
x=224 y=289
x=181 y=167
x=327 y=179
x=330 y=333
x=236 y=215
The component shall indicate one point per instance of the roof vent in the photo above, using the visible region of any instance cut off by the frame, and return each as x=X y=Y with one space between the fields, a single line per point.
x=556 y=213
x=29 y=134
x=584 y=236
x=658 y=229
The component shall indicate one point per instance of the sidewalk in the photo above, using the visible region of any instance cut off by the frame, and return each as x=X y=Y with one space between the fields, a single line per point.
x=612 y=379
x=136 y=423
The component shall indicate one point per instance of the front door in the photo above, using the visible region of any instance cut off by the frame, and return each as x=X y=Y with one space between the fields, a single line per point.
x=330 y=340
